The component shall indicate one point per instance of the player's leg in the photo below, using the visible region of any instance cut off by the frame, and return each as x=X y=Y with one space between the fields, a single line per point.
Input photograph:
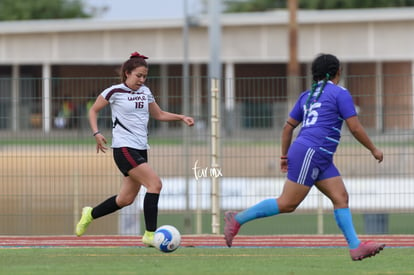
x=127 y=194
x=134 y=163
x=301 y=176
x=126 y=159
x=334 y=189
x=292 y=195
x=147 y=176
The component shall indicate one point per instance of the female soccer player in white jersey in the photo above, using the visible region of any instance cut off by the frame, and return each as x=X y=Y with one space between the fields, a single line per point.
x=308 y=160
x=131 y=104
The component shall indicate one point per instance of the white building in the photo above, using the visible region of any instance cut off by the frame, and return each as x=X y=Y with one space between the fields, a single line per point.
x=376 y=42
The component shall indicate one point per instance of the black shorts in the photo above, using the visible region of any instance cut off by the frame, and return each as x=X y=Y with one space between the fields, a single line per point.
x=127 y=158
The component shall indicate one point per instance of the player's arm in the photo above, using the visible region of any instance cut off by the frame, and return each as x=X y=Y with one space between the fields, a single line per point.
x=358 y=131
x=158 y=114
x=287 y=134
x=99 y=104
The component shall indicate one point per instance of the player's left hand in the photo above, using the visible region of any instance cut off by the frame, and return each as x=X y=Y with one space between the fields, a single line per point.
x=378 y=154
x=188 y=120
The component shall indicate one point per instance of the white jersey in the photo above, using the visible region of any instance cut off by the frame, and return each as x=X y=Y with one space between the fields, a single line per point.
x=130 y=115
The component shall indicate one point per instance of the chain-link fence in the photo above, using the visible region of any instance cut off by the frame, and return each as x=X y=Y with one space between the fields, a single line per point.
x=49 y=167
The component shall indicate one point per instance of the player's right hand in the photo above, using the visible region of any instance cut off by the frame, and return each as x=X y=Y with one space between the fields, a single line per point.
x=284 y=165
x=100 y=143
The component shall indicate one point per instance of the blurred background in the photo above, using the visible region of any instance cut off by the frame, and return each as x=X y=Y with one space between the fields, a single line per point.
x=236 y=67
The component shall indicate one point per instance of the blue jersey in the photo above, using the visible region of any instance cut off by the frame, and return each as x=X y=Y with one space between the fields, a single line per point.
x=322 y=117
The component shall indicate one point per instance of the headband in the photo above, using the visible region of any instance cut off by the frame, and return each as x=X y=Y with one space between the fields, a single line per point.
x=137 y=54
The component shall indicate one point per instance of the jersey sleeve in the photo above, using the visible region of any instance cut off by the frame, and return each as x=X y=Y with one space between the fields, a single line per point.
x=107 y=94
x=149 y=95
x=346 y=105
x=297 y=111
x=151 y=98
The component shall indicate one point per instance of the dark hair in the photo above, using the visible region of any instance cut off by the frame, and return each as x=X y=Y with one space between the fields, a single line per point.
x=136 y=60
x=324 y=67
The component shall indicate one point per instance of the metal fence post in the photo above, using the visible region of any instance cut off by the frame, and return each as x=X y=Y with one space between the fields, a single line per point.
x=215 y=142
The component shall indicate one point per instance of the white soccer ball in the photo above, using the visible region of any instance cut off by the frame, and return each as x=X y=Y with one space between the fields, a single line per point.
x=167 y=238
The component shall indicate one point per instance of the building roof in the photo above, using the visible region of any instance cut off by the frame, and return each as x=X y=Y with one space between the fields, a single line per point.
x=355 y=35
x=276 y=17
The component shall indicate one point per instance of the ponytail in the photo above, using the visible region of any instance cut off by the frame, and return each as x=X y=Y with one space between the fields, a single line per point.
x=309 y=100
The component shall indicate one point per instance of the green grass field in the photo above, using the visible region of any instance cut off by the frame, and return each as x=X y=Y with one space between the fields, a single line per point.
x=295 y=223
x=240 y=261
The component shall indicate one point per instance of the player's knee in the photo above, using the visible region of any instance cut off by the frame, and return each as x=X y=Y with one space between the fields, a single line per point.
x=341 y=200
x=155 y=186
x=287 y=207
x=290 y=208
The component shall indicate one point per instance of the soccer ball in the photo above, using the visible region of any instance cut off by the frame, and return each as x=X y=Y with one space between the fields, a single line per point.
x=167 y=238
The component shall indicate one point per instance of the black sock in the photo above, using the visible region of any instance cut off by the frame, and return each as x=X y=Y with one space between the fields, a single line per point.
x=106 y=207
x=151 y=211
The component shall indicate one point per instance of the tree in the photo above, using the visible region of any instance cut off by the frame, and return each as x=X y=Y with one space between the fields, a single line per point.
x=45 y=9
x=263 y=5
x=253 y=5
x=353 y=4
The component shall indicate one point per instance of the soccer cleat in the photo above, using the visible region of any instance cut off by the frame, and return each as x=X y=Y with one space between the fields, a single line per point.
x=84 y=222
x=148 y=238
x=231 y=227
x=365 y=250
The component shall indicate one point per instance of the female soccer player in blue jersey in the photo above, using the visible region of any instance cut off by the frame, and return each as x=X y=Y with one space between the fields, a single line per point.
x=308 y=160
x=131 y=105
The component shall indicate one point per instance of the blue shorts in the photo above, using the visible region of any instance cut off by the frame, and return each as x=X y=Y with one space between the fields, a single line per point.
x=127 y=158
x=308 y=165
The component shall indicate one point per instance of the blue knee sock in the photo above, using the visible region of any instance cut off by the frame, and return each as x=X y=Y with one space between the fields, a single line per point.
x=263 y=209
x=343 y=219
